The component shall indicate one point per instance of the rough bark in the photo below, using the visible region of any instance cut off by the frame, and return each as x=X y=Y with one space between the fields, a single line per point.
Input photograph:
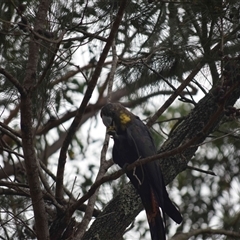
x=40 y=216
x=117 y=216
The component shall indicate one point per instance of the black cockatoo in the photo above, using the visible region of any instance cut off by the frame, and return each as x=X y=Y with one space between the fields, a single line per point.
x=133 y=141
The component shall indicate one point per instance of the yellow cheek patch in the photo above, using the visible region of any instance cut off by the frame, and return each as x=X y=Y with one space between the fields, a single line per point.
x=124 y=118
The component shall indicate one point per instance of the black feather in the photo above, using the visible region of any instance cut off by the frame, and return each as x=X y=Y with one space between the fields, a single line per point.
x=133 y=141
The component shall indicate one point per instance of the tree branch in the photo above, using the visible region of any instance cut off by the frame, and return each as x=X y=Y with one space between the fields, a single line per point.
x=87 y=96
x=13 y=80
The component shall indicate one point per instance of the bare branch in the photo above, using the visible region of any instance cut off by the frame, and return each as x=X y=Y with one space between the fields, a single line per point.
x=10 y=130
x=13 y=80
x=86 y=35
x=201 y=170
x=11 y=151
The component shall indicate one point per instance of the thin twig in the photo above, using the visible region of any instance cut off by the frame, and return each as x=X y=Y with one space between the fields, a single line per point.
x=161 y=77
x=11 y=151
x=217 y=138
x=52 y=175
x=86 y=35
x=201 y=170
x=13 y=80
x=12 y=136
x=13 y=185
x=72 y=73
x=49 y=64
